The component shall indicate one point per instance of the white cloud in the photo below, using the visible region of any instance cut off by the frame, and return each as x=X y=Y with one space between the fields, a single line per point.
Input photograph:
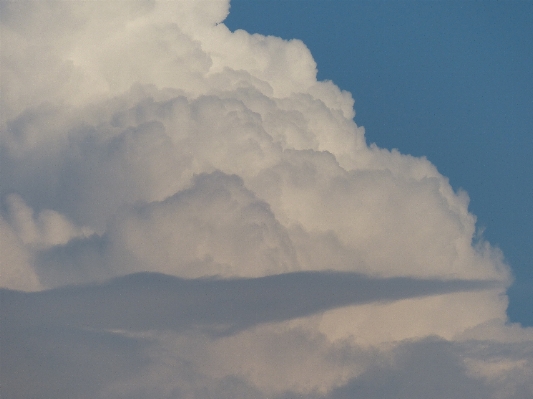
x=225 y=230
x=46 y=230
x=145 y=136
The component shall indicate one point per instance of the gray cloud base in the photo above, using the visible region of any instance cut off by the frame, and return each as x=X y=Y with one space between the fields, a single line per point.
x=80 y=332
x=147 y=301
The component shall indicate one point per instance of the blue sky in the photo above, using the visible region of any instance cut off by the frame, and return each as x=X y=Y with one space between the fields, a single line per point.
x=449 y=80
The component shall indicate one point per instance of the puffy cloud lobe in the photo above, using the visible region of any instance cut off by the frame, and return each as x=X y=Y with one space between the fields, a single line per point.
x=151 y=150
x=226 y=230
x=145 y=136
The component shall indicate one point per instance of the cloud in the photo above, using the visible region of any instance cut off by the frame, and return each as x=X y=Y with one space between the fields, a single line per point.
x=57 y=361
x=16 y=262
x=201 y=217
x=161 y=352
x=417 y=370
x=229 y=304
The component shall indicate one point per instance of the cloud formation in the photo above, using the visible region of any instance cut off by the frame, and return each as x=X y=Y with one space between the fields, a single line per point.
x=171 y=303
x=144 y=136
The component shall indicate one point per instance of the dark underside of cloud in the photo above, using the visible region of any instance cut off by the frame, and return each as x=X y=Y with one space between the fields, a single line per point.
x=145 y=301
x=70 y=329
x=417 y=373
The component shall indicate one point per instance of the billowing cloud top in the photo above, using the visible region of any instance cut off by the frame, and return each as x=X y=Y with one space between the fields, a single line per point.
x=142 y=136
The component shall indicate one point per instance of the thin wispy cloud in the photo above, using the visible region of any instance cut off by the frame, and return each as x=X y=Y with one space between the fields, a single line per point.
x=187 y=212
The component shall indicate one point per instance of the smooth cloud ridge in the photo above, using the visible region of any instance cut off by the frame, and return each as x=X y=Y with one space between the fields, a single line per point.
x=187 y=212
x=232 y=304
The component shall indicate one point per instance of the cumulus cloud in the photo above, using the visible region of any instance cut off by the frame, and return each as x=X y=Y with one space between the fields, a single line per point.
x=202 y=218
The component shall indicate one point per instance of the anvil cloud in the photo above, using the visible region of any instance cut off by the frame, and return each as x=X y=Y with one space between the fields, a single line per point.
x=187 y=212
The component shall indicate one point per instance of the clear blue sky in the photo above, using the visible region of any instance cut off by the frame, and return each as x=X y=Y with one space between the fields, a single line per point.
x=450 y=80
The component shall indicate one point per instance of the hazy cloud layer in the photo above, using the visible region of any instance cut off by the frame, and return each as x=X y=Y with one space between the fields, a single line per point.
x=285 y=256
x=171 y=303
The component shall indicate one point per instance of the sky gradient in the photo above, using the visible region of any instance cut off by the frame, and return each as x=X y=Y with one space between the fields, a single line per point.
x=190 y=210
